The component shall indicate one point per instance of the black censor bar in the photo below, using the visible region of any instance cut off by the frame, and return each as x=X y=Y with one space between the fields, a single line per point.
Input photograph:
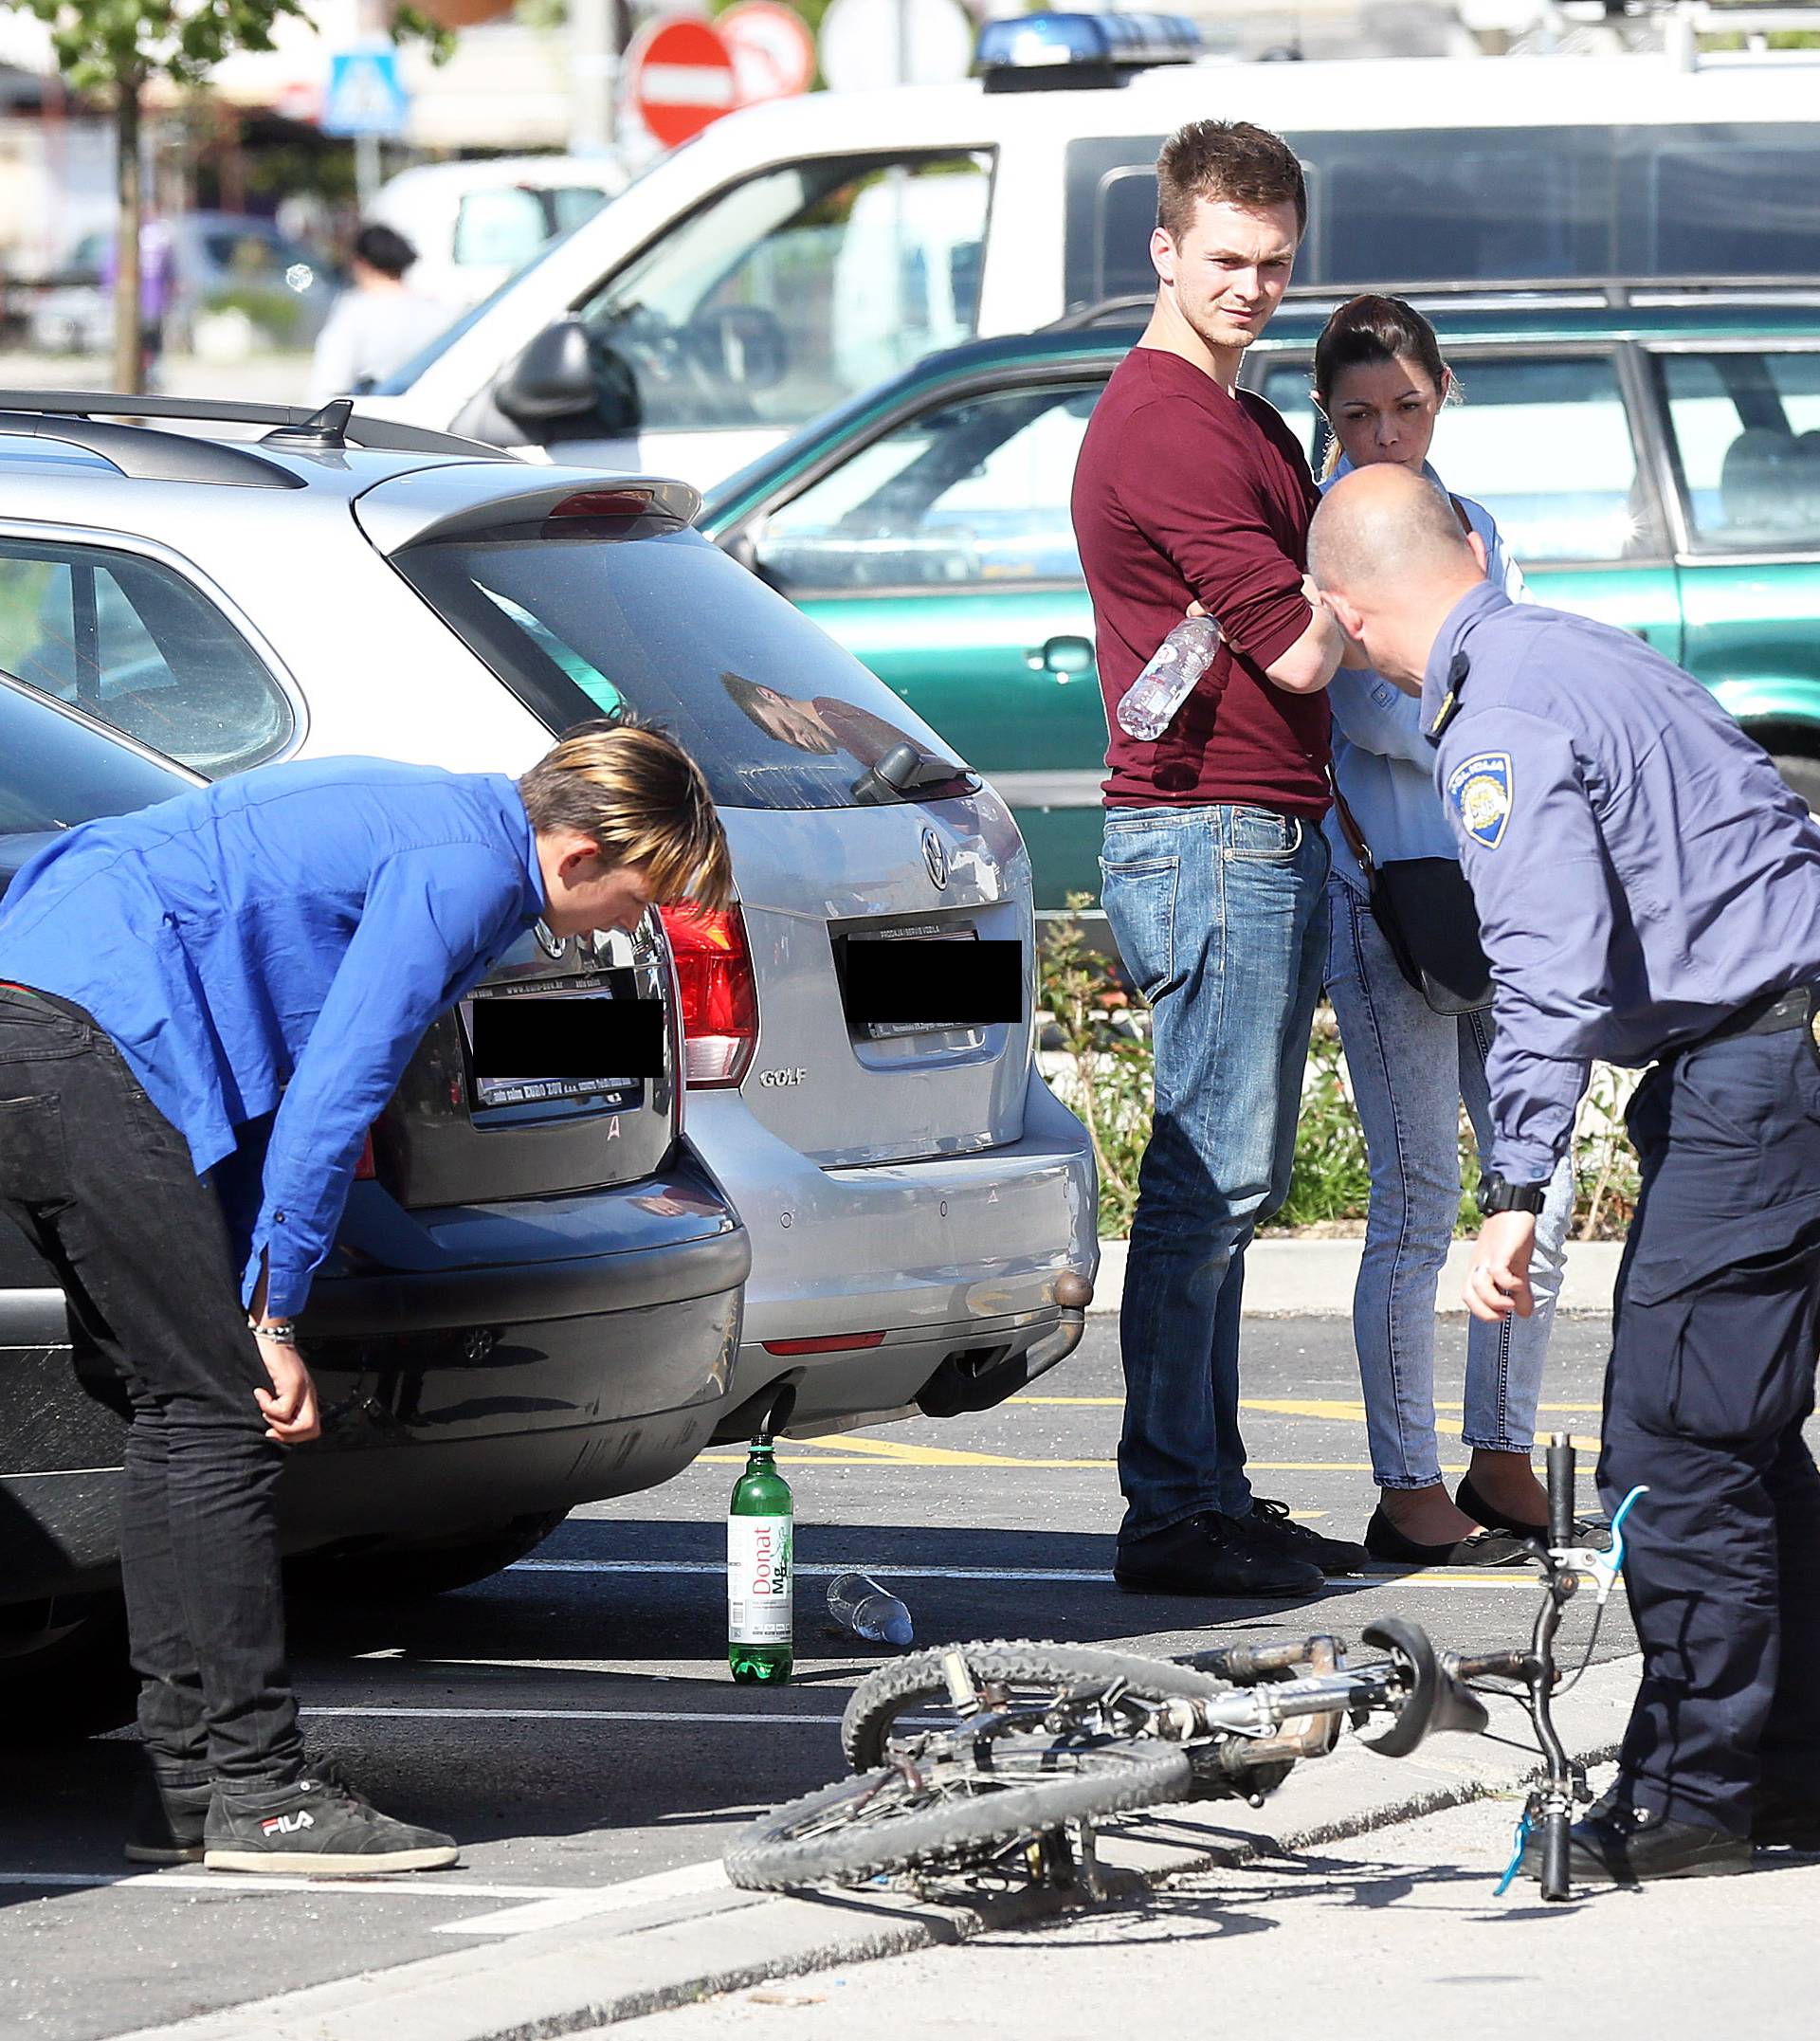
x=567 y=1038
x=929 y=981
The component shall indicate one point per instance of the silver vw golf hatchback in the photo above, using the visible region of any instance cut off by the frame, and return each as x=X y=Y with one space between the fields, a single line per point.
x=921 y=1208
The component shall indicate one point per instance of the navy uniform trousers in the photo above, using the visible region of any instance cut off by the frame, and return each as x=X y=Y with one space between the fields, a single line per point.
x=1712 y=1376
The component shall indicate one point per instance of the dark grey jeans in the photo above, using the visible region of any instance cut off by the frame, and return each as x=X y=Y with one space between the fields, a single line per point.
x=103 y=1184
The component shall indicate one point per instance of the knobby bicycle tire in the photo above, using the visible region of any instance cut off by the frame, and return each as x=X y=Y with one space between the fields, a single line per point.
x=881 y=1822
x=909 y=1684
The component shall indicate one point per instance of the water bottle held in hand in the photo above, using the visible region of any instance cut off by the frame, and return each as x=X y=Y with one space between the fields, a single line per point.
x=858 y=1603
x=1149 y=705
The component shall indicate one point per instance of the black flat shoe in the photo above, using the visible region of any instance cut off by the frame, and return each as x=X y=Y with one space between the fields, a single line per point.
x=1383 y=1540
x=1587 y=1530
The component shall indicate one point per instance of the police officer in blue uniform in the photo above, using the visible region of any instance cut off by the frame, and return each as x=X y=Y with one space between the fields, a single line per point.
x=1648 y=892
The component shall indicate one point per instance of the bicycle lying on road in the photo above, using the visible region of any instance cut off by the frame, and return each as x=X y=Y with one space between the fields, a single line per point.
x=1042 y=1740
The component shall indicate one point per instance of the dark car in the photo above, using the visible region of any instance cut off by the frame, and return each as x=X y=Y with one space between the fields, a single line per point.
x=534 y=1300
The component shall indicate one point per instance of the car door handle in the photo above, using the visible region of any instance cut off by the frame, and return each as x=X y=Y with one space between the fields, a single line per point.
x=1065 y=657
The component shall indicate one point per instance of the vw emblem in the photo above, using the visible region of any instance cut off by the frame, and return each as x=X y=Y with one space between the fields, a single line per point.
x=936 y=858
x=550 y=945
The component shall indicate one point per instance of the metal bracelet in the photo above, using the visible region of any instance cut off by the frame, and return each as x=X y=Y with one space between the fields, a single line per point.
x=283 y=1334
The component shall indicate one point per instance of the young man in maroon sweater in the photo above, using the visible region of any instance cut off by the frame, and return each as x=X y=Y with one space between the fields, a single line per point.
x=1192 y=491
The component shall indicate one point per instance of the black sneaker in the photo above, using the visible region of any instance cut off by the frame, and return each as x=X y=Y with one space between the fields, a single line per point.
x=1626 y=1845
x=320 y=1826
x=1210 y=1554
x=1272 y=1526
x=1789 y=1820
x=166 y=1822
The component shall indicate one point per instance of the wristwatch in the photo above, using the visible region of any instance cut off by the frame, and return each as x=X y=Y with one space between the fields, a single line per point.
x=1498 y=1193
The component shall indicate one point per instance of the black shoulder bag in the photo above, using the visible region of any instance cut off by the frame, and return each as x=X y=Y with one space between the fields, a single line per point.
x=1423 y=907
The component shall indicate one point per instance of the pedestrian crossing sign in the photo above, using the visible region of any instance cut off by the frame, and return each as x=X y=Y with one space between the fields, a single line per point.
x=366 y=95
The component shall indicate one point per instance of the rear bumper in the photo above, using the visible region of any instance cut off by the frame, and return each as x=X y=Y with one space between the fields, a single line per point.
x=990 y=1254
x=503 y=1375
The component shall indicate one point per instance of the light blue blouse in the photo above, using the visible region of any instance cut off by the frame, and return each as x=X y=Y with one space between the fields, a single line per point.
x=1384 y=764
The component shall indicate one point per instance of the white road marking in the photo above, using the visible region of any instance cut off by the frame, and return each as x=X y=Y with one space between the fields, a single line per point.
x=569 y=1715
x=536 y=1906
x=1352 y=1584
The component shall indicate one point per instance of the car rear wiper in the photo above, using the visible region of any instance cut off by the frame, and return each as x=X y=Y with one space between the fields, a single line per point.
x=904 y=773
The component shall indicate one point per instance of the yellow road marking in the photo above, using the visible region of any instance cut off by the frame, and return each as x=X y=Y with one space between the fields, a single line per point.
x=1336 y=1408
x=938 y=1456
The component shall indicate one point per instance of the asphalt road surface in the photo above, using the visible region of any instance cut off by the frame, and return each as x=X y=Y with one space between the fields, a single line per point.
x=573 y=1720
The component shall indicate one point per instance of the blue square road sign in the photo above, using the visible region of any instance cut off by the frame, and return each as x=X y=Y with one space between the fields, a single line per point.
x=366 y=96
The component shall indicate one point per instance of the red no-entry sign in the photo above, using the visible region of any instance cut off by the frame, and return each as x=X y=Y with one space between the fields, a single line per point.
x=681 y=79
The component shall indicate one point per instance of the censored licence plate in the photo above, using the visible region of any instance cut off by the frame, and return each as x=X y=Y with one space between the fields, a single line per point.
x=529 y=1048
x=930 y=981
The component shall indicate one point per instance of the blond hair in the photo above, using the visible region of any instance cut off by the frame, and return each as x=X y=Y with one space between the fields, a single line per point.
x=643 y=800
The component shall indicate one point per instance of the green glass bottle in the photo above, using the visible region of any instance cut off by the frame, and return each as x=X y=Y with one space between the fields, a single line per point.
x=760 y=1530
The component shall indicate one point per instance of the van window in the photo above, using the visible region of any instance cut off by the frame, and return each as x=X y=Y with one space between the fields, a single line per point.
x=136 y=646
x=967 y=496
x=1746 y=434
x=668 y=627
x=1505 y=448
x=793 y=291
x=508 y=224
x=1497 y=204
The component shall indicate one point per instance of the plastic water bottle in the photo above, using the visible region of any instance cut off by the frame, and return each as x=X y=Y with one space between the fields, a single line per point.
x=760 y=1531
x=858 y=1603
x=1148 y=706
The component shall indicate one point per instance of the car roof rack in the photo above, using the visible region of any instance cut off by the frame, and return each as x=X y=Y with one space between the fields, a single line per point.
x=148 y=455
x=1615 y=293
x=383 y=435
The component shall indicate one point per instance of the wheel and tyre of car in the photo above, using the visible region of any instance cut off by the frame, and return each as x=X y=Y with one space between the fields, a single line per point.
x=64 y=1672
x=415 y=1573
x=1029 y=1670
x=951 y=1812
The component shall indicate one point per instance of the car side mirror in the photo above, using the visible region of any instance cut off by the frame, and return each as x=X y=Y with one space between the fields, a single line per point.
x=551 y=377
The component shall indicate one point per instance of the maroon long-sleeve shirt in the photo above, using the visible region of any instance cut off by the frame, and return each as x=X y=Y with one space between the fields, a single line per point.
x=1181 y=494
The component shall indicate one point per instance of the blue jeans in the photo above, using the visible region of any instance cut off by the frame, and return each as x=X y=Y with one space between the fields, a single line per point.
x=1410 y=1069
x=1220 y=914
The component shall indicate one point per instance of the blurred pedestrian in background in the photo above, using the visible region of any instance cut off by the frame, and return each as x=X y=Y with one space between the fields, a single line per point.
x=1380 y=381
x=378 y=323
x=157 y=263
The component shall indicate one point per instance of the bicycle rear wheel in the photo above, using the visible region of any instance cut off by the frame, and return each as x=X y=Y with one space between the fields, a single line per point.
x=1028 y=1669
x=952 y=1811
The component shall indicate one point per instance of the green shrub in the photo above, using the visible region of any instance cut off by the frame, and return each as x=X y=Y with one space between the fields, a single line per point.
x=1107 y=1078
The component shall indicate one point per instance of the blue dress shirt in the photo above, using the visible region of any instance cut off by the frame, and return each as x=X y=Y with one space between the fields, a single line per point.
x=280 y=942
x=1640 y=868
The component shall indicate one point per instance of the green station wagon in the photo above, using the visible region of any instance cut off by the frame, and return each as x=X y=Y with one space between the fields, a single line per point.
x=1652 y=456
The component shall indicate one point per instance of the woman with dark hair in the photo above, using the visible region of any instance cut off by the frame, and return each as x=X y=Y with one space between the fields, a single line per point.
x=1380 y=382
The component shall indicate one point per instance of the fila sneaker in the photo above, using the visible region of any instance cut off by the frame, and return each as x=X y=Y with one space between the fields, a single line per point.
x=320 y=1826
x=169 y=1810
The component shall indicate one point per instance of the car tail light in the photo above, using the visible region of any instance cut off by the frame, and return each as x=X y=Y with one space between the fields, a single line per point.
x=839 y=1342
x=366 y=1170
x=719 y=996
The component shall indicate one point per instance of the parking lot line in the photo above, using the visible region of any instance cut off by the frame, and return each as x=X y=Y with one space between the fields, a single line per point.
x=912 y=1456
x=1066 y=1576
x=191 y=1881
x=572 y=1715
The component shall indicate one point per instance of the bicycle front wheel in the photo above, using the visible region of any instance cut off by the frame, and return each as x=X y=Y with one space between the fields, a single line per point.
x=1027 y=1670
x=952 y=1811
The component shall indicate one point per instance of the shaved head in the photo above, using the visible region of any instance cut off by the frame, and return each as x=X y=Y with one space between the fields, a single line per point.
x=1382 y=521
x=1390 y=556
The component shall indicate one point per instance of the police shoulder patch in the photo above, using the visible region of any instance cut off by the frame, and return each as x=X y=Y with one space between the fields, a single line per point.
x=1481 y=789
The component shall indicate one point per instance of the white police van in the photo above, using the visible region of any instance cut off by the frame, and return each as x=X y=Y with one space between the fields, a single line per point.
x=798 y=251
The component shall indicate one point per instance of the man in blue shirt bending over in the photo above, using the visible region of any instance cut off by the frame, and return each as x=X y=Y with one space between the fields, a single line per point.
x=276 y=944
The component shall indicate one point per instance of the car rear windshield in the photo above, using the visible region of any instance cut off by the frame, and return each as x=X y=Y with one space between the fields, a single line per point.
x=56 y=772
x=667 y=629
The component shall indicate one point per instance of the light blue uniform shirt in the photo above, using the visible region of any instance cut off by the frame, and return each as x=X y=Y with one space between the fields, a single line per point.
x=281 y=940
x=1640 y=870
x=1383 y=763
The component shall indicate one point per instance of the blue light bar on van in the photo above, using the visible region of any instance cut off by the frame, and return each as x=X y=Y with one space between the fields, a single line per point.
x=1029 y=51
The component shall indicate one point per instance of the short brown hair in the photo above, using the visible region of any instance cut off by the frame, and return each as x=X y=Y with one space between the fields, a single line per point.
x=1227 y=161
x=642 y=799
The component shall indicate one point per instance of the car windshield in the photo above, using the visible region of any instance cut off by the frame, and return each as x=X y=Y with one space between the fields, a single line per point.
x=670 y=629
x=55 y=771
